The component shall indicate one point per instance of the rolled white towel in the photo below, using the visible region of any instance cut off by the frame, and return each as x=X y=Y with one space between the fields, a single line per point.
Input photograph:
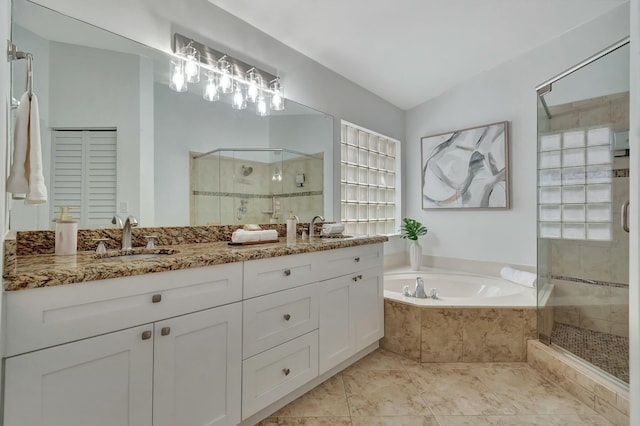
x=517 y=276
x=242 y=236
x=332 y=228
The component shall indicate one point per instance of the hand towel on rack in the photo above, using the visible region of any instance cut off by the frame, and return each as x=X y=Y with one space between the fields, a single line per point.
x=37 y=189
x=26 y=176
x=18 y=182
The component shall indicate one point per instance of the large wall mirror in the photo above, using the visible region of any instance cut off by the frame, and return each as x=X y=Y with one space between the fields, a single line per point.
x=117 y=140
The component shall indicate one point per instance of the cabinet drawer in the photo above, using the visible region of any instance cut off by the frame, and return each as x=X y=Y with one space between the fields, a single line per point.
x=49 y=316
x=275 y=318
x=271 y=375
x=344 y=261
x=264 y=276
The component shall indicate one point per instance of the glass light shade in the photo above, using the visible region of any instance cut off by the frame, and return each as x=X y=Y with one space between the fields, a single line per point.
x=211 y=92
x=277 y=98
x=253 y=86
x=178 y=79
x=261 y=106
x=239 y=101
x=192 y=64
x=226 y=83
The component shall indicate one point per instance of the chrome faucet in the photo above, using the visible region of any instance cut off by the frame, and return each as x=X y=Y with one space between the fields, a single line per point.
x=419 y=291
x=117 y=220
x=126 y=232
x=311 y=227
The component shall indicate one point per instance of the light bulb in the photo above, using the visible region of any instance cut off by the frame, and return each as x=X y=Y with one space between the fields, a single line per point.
x=239 y=101
x=192 y=63
x=252 y=92
x=178 y=80
x=210 y=89
x=261 y=106
x=226 y=84
x=276 y=102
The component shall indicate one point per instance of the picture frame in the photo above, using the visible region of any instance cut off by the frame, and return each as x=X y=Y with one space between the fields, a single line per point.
x=467 y=168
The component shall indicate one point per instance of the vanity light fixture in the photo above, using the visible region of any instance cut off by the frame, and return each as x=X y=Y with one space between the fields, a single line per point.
x=224 y=74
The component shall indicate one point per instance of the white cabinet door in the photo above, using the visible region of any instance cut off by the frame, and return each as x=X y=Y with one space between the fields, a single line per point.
x=337 y=332
x=197 y=368
x=367 y=309
x=102 y=381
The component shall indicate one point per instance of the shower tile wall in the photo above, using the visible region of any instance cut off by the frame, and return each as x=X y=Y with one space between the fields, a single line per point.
x=602 y=304
x=223 y=190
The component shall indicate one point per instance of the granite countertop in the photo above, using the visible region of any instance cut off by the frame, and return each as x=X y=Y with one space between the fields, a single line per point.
x=45 y=270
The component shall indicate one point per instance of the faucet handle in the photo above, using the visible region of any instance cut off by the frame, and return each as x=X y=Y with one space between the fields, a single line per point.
x=150 y=241
x=101 y=249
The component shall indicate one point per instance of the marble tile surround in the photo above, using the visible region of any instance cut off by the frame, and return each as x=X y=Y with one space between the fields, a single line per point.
x=430 y=334
x=386 y=389
x=604 y=396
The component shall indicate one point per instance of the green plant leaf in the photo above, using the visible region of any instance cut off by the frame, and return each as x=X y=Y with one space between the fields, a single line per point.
x=412 y=229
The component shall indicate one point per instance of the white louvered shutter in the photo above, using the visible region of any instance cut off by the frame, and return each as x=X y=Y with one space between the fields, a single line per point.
x=84 y=175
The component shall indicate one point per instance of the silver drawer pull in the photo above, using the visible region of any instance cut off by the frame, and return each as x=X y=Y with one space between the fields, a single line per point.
x=287 y=317
x=156 y=298
x=146 y=335
x=357 y=259
x=286 y=371
x=357 y=277
x=287 y=272
x=165 y=331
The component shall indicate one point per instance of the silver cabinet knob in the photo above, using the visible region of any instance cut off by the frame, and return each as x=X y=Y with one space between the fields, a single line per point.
x=156 y=298
x=287 y=272
x=287 y=317
x=357 y=277
x=164 y=331
x=146 y=335
x=286 y=371
x=357 y=259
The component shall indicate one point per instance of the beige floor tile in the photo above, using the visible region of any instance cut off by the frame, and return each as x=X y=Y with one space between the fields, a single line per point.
x=327 y=399
x=530 y=392
x=458 y=392
x=306 y=421
x=524 y=420
x=381 y=360
x=383 y=393
x=395 y=421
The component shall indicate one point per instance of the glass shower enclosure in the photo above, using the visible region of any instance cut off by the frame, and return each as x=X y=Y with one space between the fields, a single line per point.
x=261 y=185
x=583 y=194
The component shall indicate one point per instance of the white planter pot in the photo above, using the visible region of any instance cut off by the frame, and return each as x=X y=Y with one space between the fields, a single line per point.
x=415 y=255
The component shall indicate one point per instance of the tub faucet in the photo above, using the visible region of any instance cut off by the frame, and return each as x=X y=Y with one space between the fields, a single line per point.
x=419 y=292
x=126 y=232
x=313 y=221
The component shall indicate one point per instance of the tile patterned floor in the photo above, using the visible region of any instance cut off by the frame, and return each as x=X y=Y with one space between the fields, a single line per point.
x=385 y=389
x=606 y=351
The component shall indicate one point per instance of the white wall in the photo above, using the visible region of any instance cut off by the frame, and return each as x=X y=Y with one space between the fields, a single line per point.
x=504 y=93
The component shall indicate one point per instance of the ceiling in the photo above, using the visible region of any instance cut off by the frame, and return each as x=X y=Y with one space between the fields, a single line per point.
x=409 y=51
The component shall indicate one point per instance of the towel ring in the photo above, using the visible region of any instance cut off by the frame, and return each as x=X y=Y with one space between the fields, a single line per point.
x=13 y=54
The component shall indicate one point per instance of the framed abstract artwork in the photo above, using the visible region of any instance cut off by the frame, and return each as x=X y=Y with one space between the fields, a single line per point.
x=466 y=168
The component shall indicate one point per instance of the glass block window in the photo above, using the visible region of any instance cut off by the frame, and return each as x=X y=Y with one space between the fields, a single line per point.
x=369 y=181
x=574 y=185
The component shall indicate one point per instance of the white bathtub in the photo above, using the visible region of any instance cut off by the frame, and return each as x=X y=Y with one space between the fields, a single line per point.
x=458 y=289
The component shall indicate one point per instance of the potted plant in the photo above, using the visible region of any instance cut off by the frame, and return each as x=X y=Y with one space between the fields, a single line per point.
x=411 y=230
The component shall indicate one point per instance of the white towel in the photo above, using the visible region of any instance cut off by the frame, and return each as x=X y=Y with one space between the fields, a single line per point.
x=26 y=176
x=37 y=188
x=517 y=276
x=332 y=228
x=242 y=236
x=18 y=183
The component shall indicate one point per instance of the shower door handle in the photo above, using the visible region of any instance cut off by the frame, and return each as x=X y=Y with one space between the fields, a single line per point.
x=624 y=219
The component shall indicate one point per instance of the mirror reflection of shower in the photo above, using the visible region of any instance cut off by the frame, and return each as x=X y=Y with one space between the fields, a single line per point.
x=246 y=170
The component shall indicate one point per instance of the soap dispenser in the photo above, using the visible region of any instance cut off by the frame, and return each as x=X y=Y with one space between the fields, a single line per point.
x=292 y=225
x=66 y=233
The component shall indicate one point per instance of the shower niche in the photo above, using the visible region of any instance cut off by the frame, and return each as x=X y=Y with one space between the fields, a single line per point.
x=237 y=186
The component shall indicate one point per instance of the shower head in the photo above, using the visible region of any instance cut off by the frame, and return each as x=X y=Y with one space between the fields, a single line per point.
x=246 y=171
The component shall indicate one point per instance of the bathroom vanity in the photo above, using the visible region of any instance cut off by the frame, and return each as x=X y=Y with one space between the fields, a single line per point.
x=229 y=337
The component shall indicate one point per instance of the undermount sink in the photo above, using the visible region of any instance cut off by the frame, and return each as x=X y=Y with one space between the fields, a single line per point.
x=131 y=256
